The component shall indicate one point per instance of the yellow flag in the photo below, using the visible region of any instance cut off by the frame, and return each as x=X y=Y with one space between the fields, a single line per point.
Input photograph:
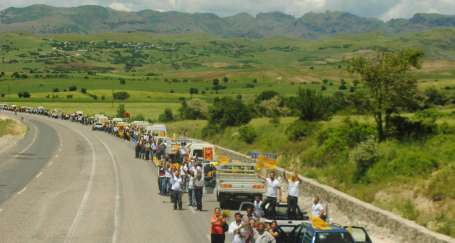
x=267 y=163
x=223 y=159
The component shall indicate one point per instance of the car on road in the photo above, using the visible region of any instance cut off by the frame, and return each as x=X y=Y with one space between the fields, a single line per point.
x=308 y=233
x=98 y=126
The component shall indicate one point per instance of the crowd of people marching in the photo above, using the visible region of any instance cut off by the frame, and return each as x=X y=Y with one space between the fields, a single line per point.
x=188 y=177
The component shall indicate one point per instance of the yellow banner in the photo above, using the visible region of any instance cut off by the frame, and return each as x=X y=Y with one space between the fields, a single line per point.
x=266 y=163
x=223 y=159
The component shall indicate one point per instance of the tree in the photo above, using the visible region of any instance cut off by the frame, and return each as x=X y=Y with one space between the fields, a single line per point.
x=227 y=112
x=121 y=111
x=193 y=109
x=266 y=95
x=167 y=116
x=312 y=105
x=194 y=91
x=248 y=134
x=225 y=79
x=72 y=88
x=389 y=85
x=121 y=95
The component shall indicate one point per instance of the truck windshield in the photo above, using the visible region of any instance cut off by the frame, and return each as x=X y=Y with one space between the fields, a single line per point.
x=333 y=237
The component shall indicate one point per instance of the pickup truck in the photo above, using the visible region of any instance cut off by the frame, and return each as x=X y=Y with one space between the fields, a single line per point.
x=237 y=182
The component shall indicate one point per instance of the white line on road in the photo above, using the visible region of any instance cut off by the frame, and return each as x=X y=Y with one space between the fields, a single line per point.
x=117 y=191
x=39 y=174
x=69 y=236
x=21 y=191
x=33 y=140
x=1 y=210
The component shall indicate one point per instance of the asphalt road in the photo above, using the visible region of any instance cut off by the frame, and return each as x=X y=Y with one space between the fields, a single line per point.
x=66 y=183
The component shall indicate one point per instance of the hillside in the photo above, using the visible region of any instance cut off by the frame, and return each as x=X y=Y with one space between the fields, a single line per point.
x=45 y=19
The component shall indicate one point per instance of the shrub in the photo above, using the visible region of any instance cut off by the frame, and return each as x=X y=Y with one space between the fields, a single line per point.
x=122 y=81
x=403 y=128
x=311 y=105
x=364 y=156
x=435 y=97
x=300 y=129
x=69 y=96
x=193 y=110
x=166 y=116
x=121 y=111
x=266 y=95
x=138 y=117
x=24 y=94
x=55 y=90
x=72 y=88
x=121 y=95
x=247 y=134
x=83 y=90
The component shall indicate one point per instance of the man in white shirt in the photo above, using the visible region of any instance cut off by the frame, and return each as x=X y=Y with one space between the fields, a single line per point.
x=273 y=191
x=263 y=236
x=234 y=229
x=293 y=194
x=317 y=210
x=177 y=190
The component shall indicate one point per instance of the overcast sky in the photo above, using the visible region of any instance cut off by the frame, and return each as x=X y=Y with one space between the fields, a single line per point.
x=383 y=9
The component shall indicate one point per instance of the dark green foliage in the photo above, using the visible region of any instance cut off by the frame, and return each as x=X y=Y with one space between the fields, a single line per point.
x=266 y=95
x=248 y=134
x=194 y=91
x=24 y=94
x=120 y=95
x=190 y=113
x=311 y=105
x=364 y=156
x=122 y=81
x=55 y=90
x=138 y=117
x=434 y=96
x=72 y=88
x=83 y=90
x=227 y=112
x=121 y=111
x=403 y=128
x=298 y=130
x=166 y=116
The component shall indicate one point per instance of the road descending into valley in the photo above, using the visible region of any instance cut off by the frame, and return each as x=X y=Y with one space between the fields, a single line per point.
x=65 y=183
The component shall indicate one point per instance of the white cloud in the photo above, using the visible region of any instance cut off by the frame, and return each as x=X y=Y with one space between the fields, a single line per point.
x=384 y=9
x=119 y=6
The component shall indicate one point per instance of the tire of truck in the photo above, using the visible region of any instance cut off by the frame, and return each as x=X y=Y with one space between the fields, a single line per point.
x=223 y=203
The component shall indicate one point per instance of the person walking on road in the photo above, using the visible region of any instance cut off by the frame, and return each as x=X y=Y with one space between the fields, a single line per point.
x=261 y=235
x=272 y=194
x=235 y=229
x=293 y=194
x=217 y=227
x=177 y=190
x=198 y=187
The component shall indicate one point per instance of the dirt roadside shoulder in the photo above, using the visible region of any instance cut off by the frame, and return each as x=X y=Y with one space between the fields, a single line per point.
x=11 y=131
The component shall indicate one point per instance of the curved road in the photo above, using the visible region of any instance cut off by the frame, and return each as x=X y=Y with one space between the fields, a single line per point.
x=65 y=183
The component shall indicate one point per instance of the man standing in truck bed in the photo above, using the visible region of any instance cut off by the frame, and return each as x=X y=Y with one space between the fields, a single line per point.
x=273 y=190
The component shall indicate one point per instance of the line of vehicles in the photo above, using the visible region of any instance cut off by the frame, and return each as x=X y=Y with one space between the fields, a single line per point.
x=233 y=182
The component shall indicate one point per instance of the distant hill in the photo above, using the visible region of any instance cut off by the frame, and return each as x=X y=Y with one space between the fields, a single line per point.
x=43 y=19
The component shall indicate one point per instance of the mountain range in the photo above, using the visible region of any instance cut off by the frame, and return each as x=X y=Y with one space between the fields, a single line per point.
x=43 y=19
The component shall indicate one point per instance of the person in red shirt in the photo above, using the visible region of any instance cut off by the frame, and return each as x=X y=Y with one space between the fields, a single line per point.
x=217 y=228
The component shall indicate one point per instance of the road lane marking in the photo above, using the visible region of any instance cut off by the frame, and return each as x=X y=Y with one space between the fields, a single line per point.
x=39 y=174
x=117 y=191
x=70 y=234
x=21 y=191
x=35 y=136
x=1 y=210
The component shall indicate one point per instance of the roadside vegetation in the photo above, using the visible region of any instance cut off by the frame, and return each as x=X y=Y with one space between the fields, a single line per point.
x=11 y=127
x=368 y=114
